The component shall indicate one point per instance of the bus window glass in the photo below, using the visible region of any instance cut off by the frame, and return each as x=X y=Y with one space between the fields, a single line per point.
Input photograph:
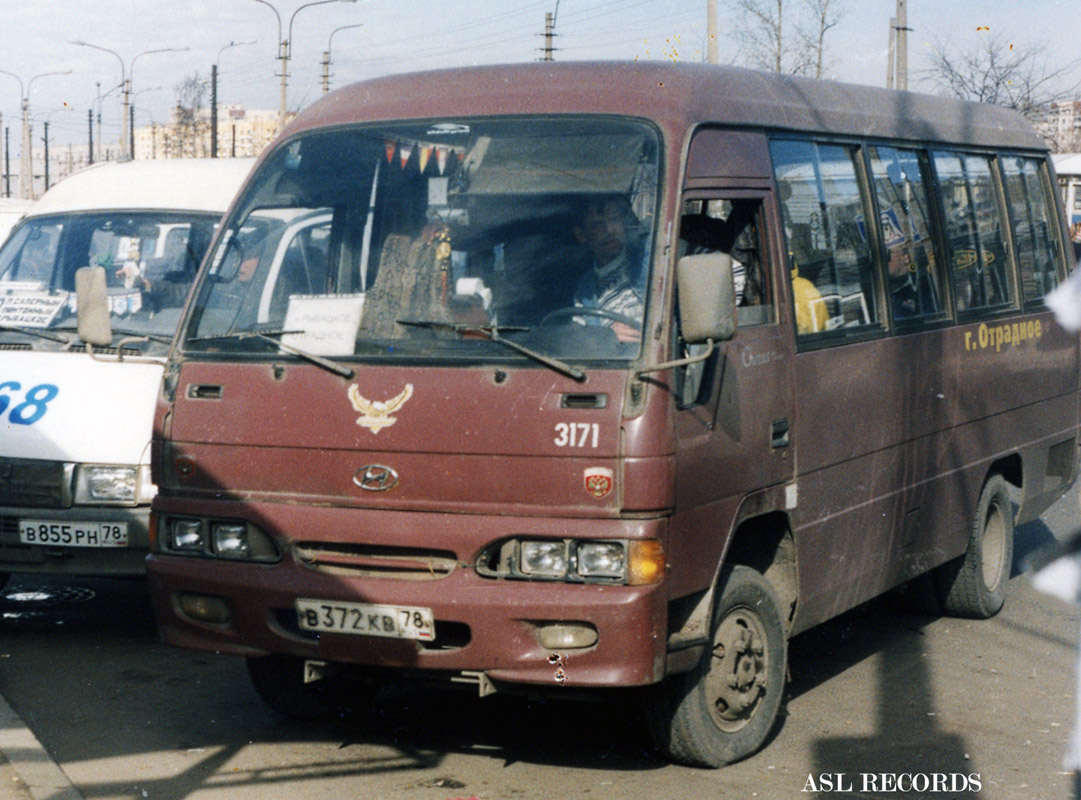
x=913 y=275
x=442 y=239
x=974 y=232
x=1031 y=218
x=832 y=274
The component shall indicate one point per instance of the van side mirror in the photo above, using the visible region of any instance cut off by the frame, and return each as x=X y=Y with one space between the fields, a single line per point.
x=707 y=305
x=92 y=307
x=707 y=297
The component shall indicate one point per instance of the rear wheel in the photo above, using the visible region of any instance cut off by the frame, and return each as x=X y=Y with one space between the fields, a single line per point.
x=726 y=707
x=279 y=681
x=974 y=585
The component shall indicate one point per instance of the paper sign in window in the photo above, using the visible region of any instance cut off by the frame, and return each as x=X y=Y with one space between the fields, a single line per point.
x=325 y=324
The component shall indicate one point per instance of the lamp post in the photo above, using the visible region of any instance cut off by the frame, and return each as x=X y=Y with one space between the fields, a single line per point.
x=125 y=82
x=326 y=55
x=26 y=176
x=285 y=43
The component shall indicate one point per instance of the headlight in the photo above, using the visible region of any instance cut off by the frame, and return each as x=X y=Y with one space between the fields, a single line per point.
x=226 y=539
x=602 y=560
x=186 y=535
x=544 y=559
x=97 y=484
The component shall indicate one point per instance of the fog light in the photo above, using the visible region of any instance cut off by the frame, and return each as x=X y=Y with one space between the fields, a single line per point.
x=205 y=608
x=566 y=636
x=230 y=539
x=186 y=535
x=646 y=562
x=545 y=559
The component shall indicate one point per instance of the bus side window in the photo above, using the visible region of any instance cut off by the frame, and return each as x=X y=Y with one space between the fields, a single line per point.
x=975 y=233
x=913 y=275
x=833 y=282
x=1032 y=213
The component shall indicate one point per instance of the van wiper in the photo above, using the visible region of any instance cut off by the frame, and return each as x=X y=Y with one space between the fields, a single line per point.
x=125 y=332
x=492 y=332
x=268 y=336
x=34 y=332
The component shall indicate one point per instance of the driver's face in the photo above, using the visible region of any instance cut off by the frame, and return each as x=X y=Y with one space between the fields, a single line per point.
x=603 y=231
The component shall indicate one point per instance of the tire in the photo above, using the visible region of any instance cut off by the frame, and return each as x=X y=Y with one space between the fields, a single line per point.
x=974 y=585
x=279 y=681
x=726 y=708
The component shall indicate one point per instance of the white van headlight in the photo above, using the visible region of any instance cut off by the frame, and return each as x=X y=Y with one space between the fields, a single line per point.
x=112 y=483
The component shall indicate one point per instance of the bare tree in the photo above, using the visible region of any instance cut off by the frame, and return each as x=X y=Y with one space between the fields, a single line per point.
x=763 y=29
x=996 y=71
x=189 y=119
x=824 y=15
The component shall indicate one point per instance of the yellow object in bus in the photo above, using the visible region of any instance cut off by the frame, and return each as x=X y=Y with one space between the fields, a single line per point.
x=810 y=307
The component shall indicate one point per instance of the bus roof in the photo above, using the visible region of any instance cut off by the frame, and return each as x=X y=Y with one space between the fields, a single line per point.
x=184 y=184
x=676 y=94
x=1067 y=163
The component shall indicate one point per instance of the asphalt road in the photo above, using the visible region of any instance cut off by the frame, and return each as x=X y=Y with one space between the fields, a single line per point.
x=881 y=690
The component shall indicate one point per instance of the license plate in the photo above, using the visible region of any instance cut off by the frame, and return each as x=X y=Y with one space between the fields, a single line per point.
x=398 y=622
x=73 y=534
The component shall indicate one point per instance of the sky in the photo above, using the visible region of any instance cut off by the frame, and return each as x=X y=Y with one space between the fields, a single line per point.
x=406 y=35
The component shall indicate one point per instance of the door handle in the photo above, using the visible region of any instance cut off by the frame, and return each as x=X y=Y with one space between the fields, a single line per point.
x=778 y=433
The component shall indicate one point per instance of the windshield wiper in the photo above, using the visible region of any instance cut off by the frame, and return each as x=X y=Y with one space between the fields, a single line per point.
x=492 y=332
x=34 y=332
x=268 y=336
x=153 y=337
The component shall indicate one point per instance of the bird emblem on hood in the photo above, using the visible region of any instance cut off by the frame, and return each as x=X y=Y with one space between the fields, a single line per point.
x=376 y=414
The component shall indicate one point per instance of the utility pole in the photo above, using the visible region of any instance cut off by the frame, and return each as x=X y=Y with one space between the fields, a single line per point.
x=7 y=163
x=45 y=139
x=711 y=33
x=131 y=131
x=549 y=33
x=213 y=110
x=90 y=131
x=897 y=70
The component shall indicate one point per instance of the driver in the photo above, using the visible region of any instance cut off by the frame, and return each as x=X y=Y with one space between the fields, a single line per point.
x=616 y=281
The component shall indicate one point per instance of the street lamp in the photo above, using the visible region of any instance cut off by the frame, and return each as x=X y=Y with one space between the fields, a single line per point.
x=25 y=169
x=284 y=44
x=125 y=82
x=326 y=55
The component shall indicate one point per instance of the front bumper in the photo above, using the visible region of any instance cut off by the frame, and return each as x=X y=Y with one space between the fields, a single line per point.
x=482 y=625
x=60 y=560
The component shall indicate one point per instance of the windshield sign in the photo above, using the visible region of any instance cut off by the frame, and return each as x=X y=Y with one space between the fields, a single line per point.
x=455 y=239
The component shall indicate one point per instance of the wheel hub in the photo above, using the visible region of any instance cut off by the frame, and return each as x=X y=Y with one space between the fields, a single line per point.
x=737 y=679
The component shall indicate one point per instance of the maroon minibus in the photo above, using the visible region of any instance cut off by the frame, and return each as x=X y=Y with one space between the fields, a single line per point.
x=598 y=376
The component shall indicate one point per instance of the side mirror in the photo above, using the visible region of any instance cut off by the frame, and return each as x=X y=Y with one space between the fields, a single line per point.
x=92 y=307
x=707 y=297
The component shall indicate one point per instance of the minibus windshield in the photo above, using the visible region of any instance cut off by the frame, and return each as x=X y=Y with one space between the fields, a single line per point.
x=150 y=260
x=441 y=239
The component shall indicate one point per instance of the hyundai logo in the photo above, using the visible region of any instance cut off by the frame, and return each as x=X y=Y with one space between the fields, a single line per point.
x=375 y=478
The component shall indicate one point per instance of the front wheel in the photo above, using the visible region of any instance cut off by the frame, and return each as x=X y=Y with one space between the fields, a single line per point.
x=725 y=708
x=974 y=585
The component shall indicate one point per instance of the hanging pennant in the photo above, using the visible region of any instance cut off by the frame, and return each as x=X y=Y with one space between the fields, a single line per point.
x=425 y=154
x=404 y=151
x=441 y=159
x=391 y=146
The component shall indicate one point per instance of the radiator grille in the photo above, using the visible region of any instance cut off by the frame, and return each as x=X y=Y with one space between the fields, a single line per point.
x=374 y=561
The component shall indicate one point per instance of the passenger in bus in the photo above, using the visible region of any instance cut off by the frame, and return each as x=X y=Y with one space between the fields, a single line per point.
x=911 y=294
x=616 y=280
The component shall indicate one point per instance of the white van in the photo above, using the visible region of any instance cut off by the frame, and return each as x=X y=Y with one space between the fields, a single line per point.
x=75 y=418
x=12 y=210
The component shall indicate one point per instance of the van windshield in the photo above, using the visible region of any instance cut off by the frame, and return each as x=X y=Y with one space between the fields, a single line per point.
x=436 y=239
x=150 y=261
